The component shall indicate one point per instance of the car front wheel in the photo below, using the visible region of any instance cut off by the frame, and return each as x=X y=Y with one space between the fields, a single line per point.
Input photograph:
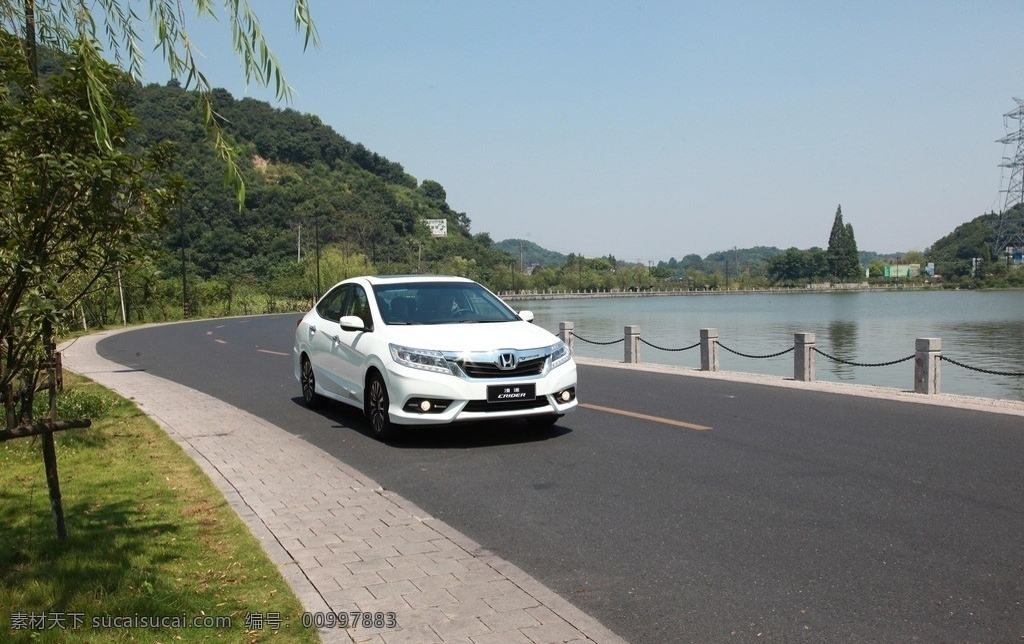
x=377 y=404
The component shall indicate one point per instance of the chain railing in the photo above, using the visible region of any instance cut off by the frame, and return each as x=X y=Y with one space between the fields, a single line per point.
x=864 y=364
x=985 y=371
x=926 y=370
x=747 y=355
x=610 y=342
x=654 y=346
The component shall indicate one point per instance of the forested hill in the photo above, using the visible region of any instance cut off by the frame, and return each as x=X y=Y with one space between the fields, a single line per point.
x=307 y=182
x=527 y=253
x=368 y=212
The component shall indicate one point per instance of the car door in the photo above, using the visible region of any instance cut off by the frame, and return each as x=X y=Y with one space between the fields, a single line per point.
x=323 y=340
x=350 y=349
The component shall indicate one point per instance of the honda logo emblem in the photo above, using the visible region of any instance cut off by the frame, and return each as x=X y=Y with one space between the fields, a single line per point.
x=507 y=361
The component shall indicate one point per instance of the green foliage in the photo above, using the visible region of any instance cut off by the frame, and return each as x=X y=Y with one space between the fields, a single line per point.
x=530 y=252
x=70 y=210
x=309 y=187
x=794 y=266
x=964 y=258
x=843 y=259
x=86 y=32
x=75 y=402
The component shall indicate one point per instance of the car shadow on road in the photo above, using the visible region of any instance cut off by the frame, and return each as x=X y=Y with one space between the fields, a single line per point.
x=470 y=435
x=458 y=436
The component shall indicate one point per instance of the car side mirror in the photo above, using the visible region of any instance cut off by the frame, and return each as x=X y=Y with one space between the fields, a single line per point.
x=526 y=316
x=352 y=323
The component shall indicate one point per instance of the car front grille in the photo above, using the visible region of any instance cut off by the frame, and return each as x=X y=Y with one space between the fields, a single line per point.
x=519 y=405
x=525 y=368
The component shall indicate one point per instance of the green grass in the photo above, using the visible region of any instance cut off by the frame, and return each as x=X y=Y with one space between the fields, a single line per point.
x=149 y=535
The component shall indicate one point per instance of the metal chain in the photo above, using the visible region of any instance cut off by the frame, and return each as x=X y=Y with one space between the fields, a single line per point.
x=773 y=355
x=596 y=342
x=863 y=364
x=697 y=344
x=991 y=373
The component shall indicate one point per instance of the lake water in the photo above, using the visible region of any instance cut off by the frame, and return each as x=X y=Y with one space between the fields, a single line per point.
x=981 y=329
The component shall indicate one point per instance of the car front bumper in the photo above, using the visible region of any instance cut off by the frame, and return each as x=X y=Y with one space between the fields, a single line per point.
x=451 y=399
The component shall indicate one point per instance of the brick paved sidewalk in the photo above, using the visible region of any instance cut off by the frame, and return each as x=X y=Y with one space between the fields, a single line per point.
x=341 y=541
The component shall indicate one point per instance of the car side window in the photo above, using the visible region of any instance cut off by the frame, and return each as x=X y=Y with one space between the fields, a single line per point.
x=358 y=304
x=329 y=307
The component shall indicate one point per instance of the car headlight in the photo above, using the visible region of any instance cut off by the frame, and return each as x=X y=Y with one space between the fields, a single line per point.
x=559 y=354
x=425 y=359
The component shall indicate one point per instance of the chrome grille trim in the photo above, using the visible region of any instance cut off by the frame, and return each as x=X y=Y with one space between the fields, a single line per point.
x=488 y=365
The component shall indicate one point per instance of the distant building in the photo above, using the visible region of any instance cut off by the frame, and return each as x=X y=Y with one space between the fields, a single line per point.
x=902 y=270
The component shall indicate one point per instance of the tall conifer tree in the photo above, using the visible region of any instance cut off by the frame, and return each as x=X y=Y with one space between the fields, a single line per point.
x=843 y=258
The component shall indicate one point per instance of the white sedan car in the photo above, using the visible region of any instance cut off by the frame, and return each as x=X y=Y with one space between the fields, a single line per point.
x=429 y=350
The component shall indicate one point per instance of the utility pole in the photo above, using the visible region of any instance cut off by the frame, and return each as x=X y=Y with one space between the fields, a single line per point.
x=736 y=264
x=120 y=291
x=181 y=242
x=316 y=234
x=521 y=267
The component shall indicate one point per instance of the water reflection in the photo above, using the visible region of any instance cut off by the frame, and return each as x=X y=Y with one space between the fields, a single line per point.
x=842 y=340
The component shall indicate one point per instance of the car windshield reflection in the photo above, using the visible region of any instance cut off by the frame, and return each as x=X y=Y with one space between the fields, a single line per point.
x=444 y=303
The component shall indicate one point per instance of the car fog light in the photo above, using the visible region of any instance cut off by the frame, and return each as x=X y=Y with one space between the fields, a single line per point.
x=424 y=405
x=566 y=396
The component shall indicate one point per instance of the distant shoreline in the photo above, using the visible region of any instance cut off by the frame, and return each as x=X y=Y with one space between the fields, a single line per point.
x=578 y=295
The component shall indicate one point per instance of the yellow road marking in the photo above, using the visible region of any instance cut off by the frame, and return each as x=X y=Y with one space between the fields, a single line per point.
x=273 y=353
x=657 y=419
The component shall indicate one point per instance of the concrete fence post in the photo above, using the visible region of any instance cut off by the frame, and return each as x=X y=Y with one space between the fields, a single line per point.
x=927 y=360
x=631 y=352
x=565 y=335
x=709 y=349
x=803 y=357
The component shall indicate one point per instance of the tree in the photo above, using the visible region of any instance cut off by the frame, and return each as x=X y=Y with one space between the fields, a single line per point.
x=790 y=266
x=73 y=200
x=70 y=210
x=114 y=26
x=843 y=259
x=433 y=190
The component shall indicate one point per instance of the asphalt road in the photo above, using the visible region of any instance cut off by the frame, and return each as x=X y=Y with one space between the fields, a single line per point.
x=679 y=509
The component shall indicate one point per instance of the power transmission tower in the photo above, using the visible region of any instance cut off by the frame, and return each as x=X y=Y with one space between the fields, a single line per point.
x=1010 y=229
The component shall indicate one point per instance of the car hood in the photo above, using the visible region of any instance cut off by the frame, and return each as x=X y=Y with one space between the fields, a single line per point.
x=481 y=336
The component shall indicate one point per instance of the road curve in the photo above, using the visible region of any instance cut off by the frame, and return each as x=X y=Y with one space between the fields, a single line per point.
x=679 y=508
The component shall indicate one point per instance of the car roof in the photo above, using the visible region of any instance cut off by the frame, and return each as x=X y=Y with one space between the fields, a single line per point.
x=384 y=280
x=404 y=279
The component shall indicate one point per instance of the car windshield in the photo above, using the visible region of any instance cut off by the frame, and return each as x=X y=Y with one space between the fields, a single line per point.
x=439 y=303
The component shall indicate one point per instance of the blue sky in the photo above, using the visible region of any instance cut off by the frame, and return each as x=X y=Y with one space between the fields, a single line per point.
x=650 y=130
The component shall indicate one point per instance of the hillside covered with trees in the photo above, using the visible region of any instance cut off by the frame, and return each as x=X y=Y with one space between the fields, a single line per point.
x=314 y=201
x=310 y=189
